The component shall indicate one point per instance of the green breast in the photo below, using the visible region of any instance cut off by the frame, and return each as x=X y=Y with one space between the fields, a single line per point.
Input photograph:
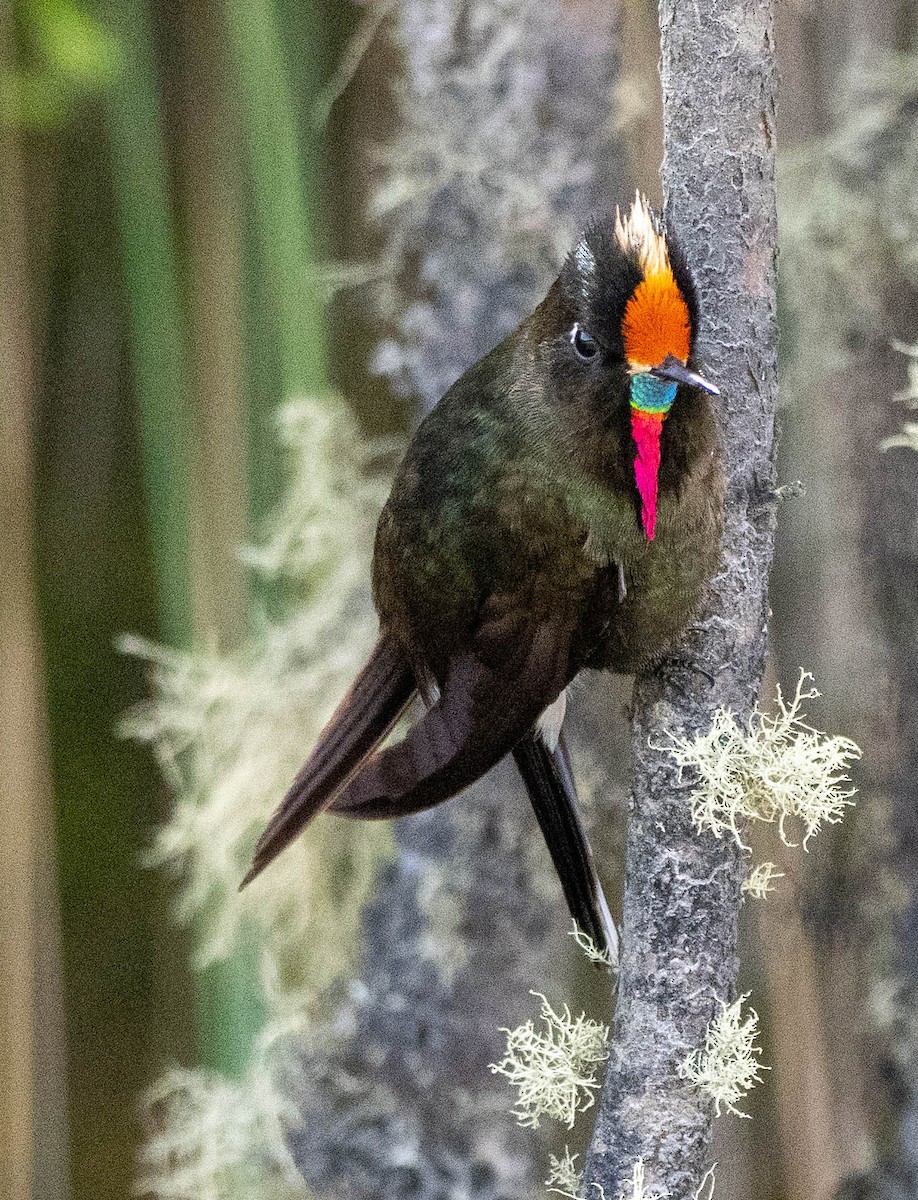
x=666 y=579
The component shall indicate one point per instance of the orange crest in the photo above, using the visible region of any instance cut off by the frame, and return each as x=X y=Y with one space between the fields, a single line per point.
x=656 y=321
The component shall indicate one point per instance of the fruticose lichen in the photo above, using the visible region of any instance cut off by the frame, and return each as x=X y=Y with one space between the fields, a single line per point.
x=599 y=958
x=776 y=769
x=759 y=883
x=554 y=1071
x=728 y=1067
x=564 y=1179
x=219 y=1139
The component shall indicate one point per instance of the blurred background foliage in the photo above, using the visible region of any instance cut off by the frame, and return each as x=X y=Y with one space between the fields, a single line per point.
x=164 y=189
x=182 y=188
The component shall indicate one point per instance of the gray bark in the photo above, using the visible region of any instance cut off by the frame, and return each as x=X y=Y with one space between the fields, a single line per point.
x=498 y=161
x=682 y=890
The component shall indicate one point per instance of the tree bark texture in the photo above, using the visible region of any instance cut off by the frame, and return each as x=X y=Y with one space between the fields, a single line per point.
x=682 y=890
x=501 y=156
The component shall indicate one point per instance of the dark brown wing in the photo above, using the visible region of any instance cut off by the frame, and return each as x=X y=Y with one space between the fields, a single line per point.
x=376 y=700
x=494 y=691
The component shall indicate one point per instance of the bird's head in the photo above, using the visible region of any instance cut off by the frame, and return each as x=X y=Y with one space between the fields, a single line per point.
x=631 y=317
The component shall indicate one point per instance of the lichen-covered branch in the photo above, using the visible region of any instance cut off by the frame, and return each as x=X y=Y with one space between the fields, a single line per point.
x=682 y=889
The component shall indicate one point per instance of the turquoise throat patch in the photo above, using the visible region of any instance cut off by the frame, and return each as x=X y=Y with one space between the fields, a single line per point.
x=652 y=395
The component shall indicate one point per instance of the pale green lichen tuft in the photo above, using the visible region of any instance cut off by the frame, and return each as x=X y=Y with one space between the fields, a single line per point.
x=564 y=1179
x=777 y=769
x=320 y=530
x=211 y=1138
x=599 y=958
x=230 y=731
x=909 y=394
x=554 y=1071
x=759 y=883
x=908 y=435
x=728 y=1067
x=639 y=1187
x=704 y=1191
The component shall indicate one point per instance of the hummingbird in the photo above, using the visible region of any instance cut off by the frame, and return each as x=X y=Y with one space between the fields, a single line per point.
x=559 y=510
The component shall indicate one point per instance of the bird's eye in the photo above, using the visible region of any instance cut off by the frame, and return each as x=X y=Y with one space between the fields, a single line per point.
x=584 y=344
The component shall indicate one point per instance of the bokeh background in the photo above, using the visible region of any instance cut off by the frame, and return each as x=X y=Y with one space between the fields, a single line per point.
x=193 y=234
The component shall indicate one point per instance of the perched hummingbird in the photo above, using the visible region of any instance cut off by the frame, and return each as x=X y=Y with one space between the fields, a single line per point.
x=559 y=509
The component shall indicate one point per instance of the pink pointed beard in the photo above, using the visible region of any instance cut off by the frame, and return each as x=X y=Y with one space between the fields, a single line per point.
x=646 y=428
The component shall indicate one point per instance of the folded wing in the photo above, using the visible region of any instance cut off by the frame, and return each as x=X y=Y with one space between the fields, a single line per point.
x=491 y=700
x=494 y=691
x=492 y=694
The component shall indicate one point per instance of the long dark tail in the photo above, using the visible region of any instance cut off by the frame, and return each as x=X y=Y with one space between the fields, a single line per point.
x=550 y=784
x=376 y=700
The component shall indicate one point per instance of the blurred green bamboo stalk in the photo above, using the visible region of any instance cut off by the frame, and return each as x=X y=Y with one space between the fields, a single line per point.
x=22 y=778
x=188 y=400
x=212 y=210
x=22 y=781
x=230 y=998
x=32 y=1055
x=284 y=230
x=154 y=299
x=230 y=1013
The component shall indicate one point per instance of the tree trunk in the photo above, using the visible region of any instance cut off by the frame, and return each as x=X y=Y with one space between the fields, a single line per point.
x=682 y=890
